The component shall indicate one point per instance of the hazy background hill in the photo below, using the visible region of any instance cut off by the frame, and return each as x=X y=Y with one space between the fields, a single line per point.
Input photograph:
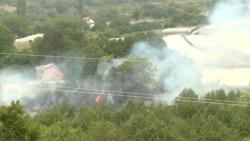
x=160 y=13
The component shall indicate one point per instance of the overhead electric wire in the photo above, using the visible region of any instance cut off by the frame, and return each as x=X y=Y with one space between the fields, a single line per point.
x=71 y=57
x=217 y=103
x=102 y=92
x=207 y=99
x=108 y=91
x=160 y=98
x=155 y=97
x=145 y=94
x=99 y=93
x=127 y=59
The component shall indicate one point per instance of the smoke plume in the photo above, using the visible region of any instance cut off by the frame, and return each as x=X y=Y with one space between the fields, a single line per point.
x=172 y=69
x=229 y=10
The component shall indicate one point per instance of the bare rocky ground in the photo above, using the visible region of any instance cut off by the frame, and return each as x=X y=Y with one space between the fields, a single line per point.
x=8 y=8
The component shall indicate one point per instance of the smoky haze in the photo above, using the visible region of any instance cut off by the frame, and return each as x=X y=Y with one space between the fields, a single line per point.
x=229 y=10
x=173 y=70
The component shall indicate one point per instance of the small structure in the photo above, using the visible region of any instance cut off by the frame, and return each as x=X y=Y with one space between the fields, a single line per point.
x=28 y=38
x=178 y=31
x=116 y=39
x=144 y=20
x=49 y=72
x=89 y=21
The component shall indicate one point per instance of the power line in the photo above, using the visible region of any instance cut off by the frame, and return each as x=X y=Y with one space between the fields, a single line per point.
x=127 y=59
x=100 y=93
x=152 y=96
x=207 y=99
x=105 y=91
x=216 y=103
x=135 y=93
x=120 y=93
x=160 y=97
x=204 y=100
x=71 y=57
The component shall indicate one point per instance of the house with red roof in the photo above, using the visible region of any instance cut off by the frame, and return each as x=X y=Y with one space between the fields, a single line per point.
x=49 y=72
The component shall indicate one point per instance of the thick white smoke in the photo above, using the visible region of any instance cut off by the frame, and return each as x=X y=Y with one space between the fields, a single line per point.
x=229 y=10
x=22 y=86
x=104 y=66
x=13 y=86
x=175 y=71
x=231 y=22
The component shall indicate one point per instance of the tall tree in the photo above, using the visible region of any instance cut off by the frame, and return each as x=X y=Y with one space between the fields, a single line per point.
x=102 y=131
x=80 y=6
x=135 y=76
x=16 y=125
x=18 y=25
x=6 y=39
x=21 y=7
x=66 y=36
x=185 y=108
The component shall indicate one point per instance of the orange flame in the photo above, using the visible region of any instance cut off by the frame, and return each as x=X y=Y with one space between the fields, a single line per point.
x=97 y=99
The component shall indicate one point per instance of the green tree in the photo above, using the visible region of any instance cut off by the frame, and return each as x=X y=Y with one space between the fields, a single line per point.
x=137 y=14
x=219 y=94
x=21 y=7
x=102 y=131
x=140 y=127
x=210 y=128
x=66 y=130
x=233 y=96
x=188 y=93
x=18 y=25
x=89 y=116
x=119 y=22
x=90 y=65
x=179 y=129
x=130 y=108
x=240 y=120
x=116 y=48
x=6 y=39
x=134 y=125
x=105 y=111
x=136 y=76
x=186 y=105
x=16 y=125
x=55 y=114
x=66 y=36
x=80 y=6
x=61 y=8
x=246 y=139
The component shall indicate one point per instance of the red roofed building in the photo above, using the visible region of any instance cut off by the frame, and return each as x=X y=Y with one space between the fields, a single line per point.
x=89 y=21
x=49 y=72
